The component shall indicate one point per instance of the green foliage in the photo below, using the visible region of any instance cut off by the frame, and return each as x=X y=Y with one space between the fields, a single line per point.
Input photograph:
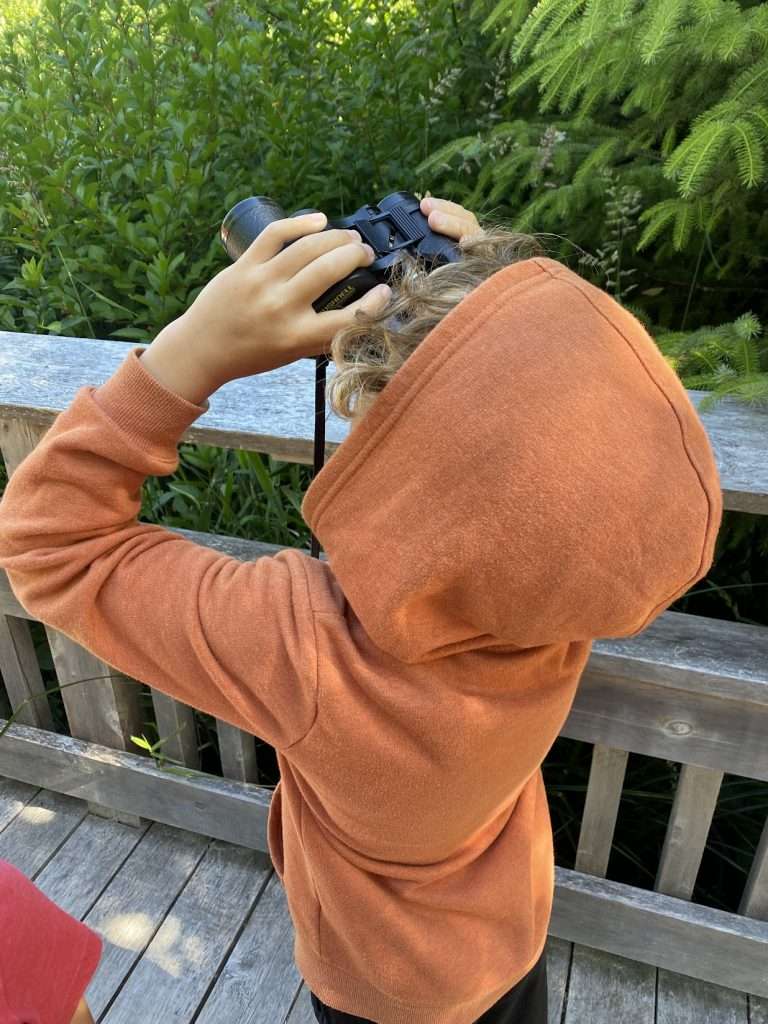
x=256 y=496
x=127 y=129
x=15 y=12
x=643 y=128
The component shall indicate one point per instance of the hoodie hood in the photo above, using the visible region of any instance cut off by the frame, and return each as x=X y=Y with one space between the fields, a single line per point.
x=534 y=473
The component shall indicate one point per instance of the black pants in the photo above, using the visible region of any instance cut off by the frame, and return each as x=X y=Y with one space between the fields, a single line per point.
x=524 y=1003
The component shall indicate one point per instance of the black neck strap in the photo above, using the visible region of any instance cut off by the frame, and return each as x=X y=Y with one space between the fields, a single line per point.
x=320 y=364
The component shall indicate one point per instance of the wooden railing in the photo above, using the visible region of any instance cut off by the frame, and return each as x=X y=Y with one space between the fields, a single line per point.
x=689 y=689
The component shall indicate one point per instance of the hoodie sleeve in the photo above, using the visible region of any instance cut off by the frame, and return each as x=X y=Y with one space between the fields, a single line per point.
x=234 y=639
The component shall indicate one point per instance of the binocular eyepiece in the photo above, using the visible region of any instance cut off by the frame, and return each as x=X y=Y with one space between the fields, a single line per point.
x=394 y=223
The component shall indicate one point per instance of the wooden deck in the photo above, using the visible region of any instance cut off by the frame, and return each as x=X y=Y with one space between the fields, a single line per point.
x=197 y=930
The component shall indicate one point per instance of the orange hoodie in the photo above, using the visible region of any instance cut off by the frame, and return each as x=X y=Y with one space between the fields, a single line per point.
x=534 y=477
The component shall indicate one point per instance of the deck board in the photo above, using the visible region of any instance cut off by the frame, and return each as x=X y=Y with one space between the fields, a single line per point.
x=260 y=980
x=13 y=797
x=39 y=829
x=198 y=930
x=132 y=908
x=181 y=963
x=684 y=1000
x=86 y=862
x=604 y=988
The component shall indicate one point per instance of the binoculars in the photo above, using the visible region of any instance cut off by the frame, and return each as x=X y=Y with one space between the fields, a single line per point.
x=395 y=223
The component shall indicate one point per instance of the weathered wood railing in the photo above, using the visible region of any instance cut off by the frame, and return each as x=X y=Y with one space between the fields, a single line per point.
x=689 y=689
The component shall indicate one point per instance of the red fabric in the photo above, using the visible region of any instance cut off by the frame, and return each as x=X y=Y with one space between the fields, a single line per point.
x=47 y=957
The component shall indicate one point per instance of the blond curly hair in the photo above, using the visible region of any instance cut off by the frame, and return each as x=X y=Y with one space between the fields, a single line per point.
x=368 y=353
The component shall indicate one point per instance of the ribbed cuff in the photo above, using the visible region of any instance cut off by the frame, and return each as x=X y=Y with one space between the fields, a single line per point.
x=142 y=407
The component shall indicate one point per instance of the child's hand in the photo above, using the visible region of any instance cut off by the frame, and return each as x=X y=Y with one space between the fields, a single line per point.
x=449 y=218
x=257 y=314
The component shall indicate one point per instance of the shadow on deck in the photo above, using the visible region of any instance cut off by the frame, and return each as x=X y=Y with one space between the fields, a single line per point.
x=198 y=930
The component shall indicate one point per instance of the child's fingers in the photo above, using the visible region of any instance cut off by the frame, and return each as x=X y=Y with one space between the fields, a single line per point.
x=445 y=224
x=453 y=227
x=429 y=203
x=449 y=218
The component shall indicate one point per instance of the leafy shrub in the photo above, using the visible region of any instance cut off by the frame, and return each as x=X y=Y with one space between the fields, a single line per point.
x=127 y=129
x=643 y=130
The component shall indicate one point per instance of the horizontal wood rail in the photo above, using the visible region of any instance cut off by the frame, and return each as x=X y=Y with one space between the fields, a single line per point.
x=274 y=412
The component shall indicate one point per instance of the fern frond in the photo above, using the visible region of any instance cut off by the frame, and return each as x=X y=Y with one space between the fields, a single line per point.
x=595 y=21
x=696 y=156
x=513 y=8
x=721 y=111
x=745 y=355
x=537 y=20
x=599 y=157
x=750 y=388
x=651 y=94
x=535 y=212
x=533 y=71
x=716 y=207
x=758 y=23
x=684 y=221
x=756 y=75
x=626 y=67
x=749 y=152
x=760 y=115
x=663 y=18
x=658 y=216
x=564 y=201
x=597 y=68
x=511 y=172
x=706 y=10
x=668 y=142
x=748 y=326
x=556 y=24
x=567 y=62
x=445 y=153
x=732 y=38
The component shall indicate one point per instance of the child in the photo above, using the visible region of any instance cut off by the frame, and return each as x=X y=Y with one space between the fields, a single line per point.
x=47 y=957
x=526 y=474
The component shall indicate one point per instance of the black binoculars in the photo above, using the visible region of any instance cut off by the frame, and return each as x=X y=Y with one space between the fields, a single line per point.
x=395 y=223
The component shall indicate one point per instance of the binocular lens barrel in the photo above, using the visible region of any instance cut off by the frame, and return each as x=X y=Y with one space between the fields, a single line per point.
x=245 y=221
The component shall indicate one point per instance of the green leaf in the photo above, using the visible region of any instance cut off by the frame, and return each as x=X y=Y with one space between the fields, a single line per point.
x=137 y=333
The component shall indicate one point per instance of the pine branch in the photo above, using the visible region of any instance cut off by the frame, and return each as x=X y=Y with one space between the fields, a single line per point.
x=663 y=18
x=658 y=216
x=537 y=21
x=696 y=156
x=749 y=153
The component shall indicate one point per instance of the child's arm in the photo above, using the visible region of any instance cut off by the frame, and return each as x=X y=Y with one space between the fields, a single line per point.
x=232 y=638
x=82 y=1014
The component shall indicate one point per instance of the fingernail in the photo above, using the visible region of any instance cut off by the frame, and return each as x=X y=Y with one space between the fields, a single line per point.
x=383 y=291
x=427 y=206
x=317 y=218
x=368 y=250
x=355 y=236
